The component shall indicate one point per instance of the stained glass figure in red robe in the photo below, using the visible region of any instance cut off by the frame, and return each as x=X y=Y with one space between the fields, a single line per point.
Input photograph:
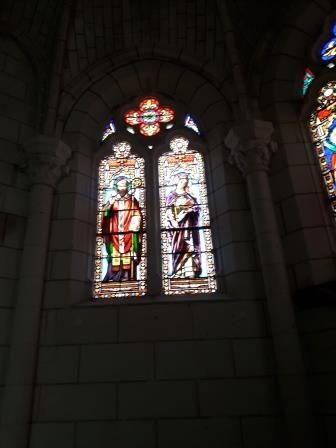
x=121 y=232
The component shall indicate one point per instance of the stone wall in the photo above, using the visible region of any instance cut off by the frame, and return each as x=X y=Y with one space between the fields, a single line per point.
x=190 y=373
x=304 y=215
x=182 y=374
x=318 y=329
x=199 y=371
x=17 y=115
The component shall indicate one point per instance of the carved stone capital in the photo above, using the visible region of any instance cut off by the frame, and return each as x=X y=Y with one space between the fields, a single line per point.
x=250 y=146
x=46 y=160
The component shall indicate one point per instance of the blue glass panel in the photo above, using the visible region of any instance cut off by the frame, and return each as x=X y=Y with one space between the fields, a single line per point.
x=334 y=29
x=109 y=129
x=189 y=122
x=328 y=51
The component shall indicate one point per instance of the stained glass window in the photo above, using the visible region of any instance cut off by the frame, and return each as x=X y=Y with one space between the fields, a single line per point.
x=190 y=123
x=186 y=242
x=328 y=51
x=120 y=261
x=323 y=128
x=308 y=78
x=149 y=116
x=109 y=129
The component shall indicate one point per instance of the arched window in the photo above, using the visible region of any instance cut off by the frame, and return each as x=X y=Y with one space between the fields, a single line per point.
x=187 y=258
x=323 y=129
x=178 y=232
x=120 y=262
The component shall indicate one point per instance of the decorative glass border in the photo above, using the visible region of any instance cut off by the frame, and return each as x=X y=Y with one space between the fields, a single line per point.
x=187 y=253
x=323 y=130
x=121 y=221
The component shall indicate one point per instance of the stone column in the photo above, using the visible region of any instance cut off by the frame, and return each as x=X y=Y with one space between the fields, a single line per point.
x=251 y=149
x=46 y=162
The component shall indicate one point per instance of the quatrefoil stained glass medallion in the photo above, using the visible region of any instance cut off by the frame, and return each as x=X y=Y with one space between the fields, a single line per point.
x=149 y=116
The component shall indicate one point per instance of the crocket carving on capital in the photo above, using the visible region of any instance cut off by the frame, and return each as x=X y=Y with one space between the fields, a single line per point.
x=251 y=147
x=46 y=160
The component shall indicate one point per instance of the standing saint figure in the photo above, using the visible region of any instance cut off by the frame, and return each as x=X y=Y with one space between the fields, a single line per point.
x=121 y=225
x=183 y=217
x=330 y=144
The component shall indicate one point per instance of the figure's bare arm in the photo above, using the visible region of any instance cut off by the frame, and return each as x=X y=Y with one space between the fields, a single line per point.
x=109 y=202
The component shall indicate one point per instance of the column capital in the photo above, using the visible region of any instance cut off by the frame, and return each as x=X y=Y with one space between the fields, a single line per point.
x=46 y=159
x=251 y=146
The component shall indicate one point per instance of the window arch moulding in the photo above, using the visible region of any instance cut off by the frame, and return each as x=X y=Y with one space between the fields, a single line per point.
x=178 y=230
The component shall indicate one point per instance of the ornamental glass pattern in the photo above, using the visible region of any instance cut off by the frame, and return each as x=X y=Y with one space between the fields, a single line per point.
x=190 y=123
x=323 y=129
x=186 y=242
x=328 y=51
x=149 y=116
x=109 y=129
x=120 y=259
x=308 y=78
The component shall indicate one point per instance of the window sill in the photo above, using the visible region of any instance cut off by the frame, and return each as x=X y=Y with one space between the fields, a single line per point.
x=157 y=299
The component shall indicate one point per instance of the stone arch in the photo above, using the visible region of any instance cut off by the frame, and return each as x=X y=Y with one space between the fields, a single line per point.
x=296 y=184
x=84 y=109
x=115 y=82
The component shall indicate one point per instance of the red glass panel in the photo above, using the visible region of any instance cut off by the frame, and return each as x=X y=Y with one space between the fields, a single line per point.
x=166 y=114
x=132 y=117
x=149 y=130
x=149 y=116
x=149 y=103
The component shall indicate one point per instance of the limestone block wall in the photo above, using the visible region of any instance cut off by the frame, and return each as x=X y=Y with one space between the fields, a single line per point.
x=16 y=126
x=158 y=374
x=34 y=22
x=318 y=330
x=197 y=372
x=304 y=215
x=169 y=374
x=238 y=259
x=102 y=28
